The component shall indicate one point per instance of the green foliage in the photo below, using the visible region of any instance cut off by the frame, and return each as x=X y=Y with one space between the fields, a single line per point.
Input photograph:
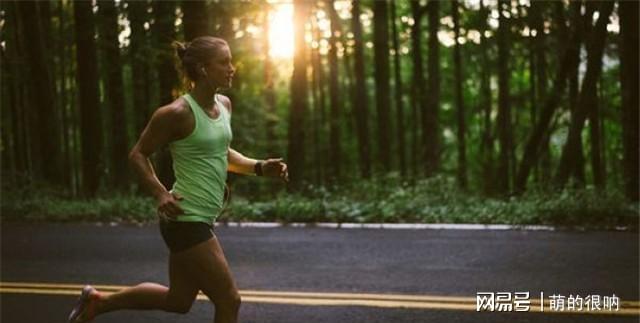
x=437 y=200
x=384 y=200
x=39 y=202
x=113 y=209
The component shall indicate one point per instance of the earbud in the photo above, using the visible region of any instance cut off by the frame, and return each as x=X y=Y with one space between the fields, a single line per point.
x=206 y=77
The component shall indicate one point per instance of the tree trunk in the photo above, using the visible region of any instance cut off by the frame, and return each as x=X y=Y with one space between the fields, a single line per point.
x=8 y=97
x=9 y=120
x=139 y=61
x=42 y=91
x=383 y=89
x=87 y=82
x=628 y=12
x=588 y=94
x=542 y=79
x=430 y=126
x=603 y=104
x=486 y=148
x=44 y=10
x=165 y=33
x=334 y=92
x=318 y=116
x=538 y=74
x=11 y=71
x=460 y=111
x=595 y=137
x=578 y=171
x=418 y=95
x=347 y=85
x=299 y=90
x=541 y=129
x=533 y=91
x=28 y=139
x=400 y=127
x=323 y=124
x=268 y=91
x=505 y=135
x=56 y=141
x=73 y=113
x=360 y=96
x=61 y=49
x=195 y=19
x=114 y=90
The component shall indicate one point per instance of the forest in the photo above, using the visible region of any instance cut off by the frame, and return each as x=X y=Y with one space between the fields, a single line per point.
x=384 y=110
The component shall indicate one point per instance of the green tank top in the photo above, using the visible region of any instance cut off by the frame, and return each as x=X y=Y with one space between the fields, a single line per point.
x=200 y=164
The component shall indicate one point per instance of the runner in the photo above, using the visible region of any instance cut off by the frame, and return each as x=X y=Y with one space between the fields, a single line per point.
x=197 y=129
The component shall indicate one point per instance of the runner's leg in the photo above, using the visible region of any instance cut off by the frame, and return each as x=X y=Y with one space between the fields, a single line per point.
x=212 y=273
x=177 y=298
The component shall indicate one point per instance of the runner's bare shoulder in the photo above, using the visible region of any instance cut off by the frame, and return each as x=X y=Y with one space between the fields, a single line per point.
x=225 y=101
x=174 y=119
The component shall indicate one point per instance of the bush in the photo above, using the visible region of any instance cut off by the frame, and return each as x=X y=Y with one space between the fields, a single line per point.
x=386 y=200
x=437 y=200
x=26 y=201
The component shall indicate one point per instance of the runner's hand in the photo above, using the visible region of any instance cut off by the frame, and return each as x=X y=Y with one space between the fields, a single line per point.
x=168 y=205
x=275 y=167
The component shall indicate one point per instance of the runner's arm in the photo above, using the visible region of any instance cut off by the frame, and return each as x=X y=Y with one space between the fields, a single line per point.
x=156 y=134
x=240 y=164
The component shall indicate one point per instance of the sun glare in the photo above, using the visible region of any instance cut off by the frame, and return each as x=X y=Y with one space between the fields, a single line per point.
x=281 y=30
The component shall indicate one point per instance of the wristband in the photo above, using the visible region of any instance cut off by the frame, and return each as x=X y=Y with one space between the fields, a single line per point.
x=257 y=168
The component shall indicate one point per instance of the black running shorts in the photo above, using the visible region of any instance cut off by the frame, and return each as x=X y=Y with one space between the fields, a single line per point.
x=180 y=236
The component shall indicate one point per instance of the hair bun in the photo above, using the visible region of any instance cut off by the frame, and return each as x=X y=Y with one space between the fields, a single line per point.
x=181 y=49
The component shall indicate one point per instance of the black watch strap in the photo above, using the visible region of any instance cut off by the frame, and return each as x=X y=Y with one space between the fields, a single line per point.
x=257 y=168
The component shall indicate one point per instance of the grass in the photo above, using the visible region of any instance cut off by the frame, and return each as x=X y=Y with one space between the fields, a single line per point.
x=385 y=200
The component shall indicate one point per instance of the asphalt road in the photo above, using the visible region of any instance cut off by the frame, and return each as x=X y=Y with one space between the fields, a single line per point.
x=344 y=262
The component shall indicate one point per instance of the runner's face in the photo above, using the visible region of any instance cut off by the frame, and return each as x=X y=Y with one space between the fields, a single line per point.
x=220 y=70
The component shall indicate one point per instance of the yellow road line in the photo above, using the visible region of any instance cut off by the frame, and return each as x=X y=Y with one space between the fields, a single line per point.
x=322 y=299
x=395 y=297
x=369 y=296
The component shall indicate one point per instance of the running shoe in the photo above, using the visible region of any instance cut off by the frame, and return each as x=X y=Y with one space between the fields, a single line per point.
x=84 y=309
